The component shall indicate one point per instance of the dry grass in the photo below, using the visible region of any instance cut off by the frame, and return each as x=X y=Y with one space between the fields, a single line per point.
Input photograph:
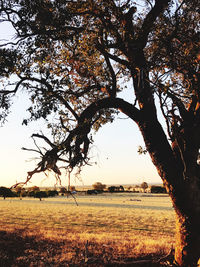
x=104 y=228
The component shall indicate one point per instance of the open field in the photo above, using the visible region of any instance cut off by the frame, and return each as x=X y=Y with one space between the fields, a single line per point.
x=121 y=226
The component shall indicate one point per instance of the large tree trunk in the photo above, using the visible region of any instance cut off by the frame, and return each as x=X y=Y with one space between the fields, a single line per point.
x=187 y=249
x=187 y=208
x=183 y=188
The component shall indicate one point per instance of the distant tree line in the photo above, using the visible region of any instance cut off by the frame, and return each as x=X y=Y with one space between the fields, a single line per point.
x=143 y=187
x=32 y=192
x=116 y=188
x=97 y=188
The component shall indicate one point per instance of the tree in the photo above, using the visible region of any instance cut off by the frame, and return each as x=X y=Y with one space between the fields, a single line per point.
x=40 y=195
x=73 y=58
x=144 y=186
x=63 y=191
x=121 y=188
x=52 y=193
x=6 y=192
x=158 y=189
x=112 y=188
x=99 y=186
x=32 y=190
x=116 y=188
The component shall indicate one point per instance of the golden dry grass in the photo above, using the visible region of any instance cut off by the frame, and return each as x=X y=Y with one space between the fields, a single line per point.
x=115 y=225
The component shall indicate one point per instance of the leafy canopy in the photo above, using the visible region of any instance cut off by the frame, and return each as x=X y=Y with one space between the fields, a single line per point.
x=74 y=58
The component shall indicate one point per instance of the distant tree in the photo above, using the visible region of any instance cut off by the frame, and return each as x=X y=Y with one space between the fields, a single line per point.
x=112 y=188
x=92 y=192
x=32 y=190
x=121 y=188
x=158 y=189
x=129 y=188
x=144 y=186
x=99 y=186
x=52 y=193
x=6 y=192
x=116 y=188
x=63 y=191
x=41 y=194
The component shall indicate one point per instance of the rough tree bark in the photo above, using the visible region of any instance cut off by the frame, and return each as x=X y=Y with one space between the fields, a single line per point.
x=184 y=190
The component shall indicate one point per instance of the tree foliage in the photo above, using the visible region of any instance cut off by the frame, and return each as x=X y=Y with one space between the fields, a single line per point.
x=74 y=58
x=144 y=186
x=114 y=188
x=99 y=186
x=158 y=189
x=6 y=192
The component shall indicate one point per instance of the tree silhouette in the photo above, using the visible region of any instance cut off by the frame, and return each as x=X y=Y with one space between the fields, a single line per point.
x=73 y=58
x=144 y=186
x=6 y=192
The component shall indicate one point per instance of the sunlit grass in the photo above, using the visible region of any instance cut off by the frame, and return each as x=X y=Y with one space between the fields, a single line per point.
x=130 y=224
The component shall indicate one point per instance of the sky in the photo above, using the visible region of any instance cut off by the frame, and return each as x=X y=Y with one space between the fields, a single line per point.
x=114 y=149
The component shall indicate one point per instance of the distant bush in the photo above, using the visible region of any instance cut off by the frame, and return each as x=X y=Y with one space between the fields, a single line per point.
x=63 y=191
x=92 y=192
x=52 y=193
x=158 y=189
x=113 y=188
x=41 y=194
x=6 y=192
x=32 y=191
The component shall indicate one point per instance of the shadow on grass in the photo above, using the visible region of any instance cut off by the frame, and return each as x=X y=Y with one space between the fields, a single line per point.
x=19 y=249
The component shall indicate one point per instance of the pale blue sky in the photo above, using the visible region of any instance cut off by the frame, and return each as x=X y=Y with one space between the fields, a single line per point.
x=115 y=150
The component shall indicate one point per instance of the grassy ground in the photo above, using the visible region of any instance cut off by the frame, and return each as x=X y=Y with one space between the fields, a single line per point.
x=104 y=230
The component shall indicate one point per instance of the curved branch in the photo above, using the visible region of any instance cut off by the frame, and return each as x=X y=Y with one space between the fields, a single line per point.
x=125 y=107
x=45 y=139
x=150 y=20
x=7 y=92
x=76 y=145
x=78 y=136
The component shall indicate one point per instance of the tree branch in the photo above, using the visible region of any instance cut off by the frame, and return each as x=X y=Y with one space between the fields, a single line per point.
x=45 y=139
x=112 y=92
x=123 y=62
x=76 y=145
x=149 y=21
